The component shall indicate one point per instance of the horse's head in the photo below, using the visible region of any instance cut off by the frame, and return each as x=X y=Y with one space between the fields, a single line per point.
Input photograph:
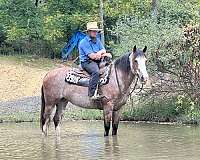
x=138 y=63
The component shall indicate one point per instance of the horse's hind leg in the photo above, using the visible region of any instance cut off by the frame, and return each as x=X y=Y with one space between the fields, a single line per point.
x=115 y=121
x=60 y=107
x=47 y=118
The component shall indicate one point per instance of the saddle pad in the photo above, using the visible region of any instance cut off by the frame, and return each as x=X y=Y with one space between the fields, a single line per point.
x=75 y=76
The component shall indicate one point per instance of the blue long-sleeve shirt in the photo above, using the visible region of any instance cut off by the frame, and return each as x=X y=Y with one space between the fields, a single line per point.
x=87 y=46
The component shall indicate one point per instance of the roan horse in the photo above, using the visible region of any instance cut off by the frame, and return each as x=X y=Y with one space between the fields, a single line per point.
x=56 y=93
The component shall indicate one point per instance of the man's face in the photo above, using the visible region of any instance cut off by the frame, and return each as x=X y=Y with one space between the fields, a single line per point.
x=93 y=34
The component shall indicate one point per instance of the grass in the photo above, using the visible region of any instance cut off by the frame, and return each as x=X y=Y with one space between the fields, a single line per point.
x=83 y=114
x=20 y=117
x=157 y=112
x=72 y=114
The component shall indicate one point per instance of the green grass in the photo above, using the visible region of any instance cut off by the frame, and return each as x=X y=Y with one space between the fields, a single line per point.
x=20 y=117
x=74 y=114
x=83 y=114
x=156 y=112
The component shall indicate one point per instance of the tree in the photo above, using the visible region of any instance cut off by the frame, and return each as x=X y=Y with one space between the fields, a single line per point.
x=154 y=9
x=102 y=21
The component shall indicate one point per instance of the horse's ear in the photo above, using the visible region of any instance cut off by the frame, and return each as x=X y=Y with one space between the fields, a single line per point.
x=134 y=49
x=145 y=49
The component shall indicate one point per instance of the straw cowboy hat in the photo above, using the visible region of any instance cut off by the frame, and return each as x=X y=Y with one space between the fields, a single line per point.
x=92 y=26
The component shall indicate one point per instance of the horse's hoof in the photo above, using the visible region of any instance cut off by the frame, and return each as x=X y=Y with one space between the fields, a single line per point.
x=44 y=133
x=114 y=133
x=106 y=134
x=57 y=133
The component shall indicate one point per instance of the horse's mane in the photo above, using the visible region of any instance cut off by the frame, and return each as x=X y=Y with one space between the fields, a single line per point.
x=123 y=63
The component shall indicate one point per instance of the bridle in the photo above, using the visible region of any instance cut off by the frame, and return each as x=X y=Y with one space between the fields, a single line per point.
x=135 y=84
x=133 y=89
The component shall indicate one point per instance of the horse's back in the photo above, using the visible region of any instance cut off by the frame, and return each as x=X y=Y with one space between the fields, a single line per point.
x=56 y=73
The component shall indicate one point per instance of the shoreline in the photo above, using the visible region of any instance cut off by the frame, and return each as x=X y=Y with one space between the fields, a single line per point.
x=121 y=121
x=27 y=109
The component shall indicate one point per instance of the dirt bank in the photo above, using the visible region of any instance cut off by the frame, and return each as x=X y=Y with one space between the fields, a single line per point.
x=22 y=76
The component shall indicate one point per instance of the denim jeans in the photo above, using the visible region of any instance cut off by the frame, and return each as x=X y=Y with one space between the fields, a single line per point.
x=92 y=67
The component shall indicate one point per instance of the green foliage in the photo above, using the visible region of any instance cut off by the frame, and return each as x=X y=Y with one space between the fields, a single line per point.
x=133 y=31
x=2 y=34
x=181 y=11
x=44 y=29
x=189 y=108
x=155 y=110
x=53 y=22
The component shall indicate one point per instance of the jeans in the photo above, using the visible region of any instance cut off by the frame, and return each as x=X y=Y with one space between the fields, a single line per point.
x=92 y=68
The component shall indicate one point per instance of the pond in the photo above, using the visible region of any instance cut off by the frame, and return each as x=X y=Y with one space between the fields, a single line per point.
x=85 y=140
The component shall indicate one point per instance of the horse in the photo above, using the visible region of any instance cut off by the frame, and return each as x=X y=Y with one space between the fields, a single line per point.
x=56 y=93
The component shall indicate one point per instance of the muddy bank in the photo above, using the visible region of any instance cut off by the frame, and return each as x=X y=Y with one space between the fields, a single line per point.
x=26 y=104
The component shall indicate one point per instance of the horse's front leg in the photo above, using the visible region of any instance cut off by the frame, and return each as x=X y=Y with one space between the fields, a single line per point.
x=107 y=118
x=115 y=121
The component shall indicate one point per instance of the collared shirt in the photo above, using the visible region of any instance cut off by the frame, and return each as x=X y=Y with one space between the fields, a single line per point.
x=87 y=46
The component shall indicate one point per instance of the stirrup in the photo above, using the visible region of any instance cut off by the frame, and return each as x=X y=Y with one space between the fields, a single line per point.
x=95 y=97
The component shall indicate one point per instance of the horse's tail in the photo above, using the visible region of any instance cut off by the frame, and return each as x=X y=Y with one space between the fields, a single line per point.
x=42 y=120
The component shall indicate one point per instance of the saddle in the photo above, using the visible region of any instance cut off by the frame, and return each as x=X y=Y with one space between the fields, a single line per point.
x=80 y=77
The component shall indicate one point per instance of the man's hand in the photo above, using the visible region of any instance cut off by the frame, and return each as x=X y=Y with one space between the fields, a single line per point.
x=98 y=55
x=102 y=51
x=95 y=56
x=106 y=55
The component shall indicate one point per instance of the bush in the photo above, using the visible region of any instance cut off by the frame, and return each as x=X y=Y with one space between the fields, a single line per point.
x=180 y=11
x=133 y=31
x=154 y=110
x=2 y=34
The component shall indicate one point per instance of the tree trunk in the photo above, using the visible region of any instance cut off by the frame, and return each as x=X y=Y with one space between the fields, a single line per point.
x=154 y=9
x=101 y=24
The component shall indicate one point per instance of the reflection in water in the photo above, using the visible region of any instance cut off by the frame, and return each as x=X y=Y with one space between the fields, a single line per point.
x=57 y=148
x=44 y=148
x=85 y=140
x=111 y=148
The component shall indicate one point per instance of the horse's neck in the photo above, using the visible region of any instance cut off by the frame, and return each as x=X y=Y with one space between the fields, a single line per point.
x=124 y=79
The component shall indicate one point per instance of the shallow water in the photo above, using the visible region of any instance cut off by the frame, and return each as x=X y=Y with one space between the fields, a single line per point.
x=85 y=140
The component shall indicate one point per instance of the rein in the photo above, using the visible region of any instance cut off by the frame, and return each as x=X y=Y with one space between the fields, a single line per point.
x=135 y=87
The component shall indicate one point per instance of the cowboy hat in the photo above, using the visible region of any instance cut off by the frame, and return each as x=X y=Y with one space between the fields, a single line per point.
x=92 y=26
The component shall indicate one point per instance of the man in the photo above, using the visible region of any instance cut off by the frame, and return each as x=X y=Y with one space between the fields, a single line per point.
x=91 y=51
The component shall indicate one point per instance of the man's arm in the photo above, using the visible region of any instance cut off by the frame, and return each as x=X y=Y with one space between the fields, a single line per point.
x=103 y=51
x=86 y=48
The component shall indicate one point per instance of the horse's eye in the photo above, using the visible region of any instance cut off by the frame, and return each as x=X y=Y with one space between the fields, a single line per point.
x=135 y=61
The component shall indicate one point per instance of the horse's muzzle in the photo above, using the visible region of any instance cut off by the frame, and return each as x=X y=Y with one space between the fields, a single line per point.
x=143 y=79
